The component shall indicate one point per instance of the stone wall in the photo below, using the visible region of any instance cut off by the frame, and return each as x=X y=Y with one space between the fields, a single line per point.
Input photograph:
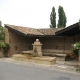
x=77 y=38
x=68 y=42
x=17 y=42
x=53 y=43
x=59 y=43
x=6 y=35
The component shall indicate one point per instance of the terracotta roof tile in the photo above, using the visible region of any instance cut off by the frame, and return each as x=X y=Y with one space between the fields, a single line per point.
x=25 y=30
x=49 y=31
x=33 y=31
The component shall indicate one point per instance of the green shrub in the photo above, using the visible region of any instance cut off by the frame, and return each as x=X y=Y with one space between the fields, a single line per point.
x=76 y=45
x=5 y=47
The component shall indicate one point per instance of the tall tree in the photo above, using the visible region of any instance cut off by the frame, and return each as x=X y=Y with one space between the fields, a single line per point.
x=53 y=18
x=62 y=18
x=2 y=32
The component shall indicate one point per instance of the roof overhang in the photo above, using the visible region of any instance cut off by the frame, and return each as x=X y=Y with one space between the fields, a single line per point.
x=27 y=35
x=69 y=31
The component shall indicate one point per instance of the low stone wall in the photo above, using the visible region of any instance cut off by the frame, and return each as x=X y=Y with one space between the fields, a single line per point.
x=56 y=51
x=38 y=60
x=44 y=60
x=52 y=52
x=21 y=57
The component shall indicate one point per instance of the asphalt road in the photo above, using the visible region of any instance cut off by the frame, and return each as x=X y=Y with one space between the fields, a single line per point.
x=11 y=71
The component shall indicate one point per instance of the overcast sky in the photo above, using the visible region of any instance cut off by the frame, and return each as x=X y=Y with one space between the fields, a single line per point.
x=36 y=13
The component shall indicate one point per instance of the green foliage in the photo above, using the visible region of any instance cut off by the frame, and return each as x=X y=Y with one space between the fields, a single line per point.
x=2 y=32
x=76 y=45
x=4 y=46
x=62 y=18
x=77 y=69
x=53 y=18
x=1 y=45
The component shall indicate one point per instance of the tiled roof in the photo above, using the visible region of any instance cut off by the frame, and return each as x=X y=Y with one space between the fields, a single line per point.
x=25 y=30
x=33 y=31
x=49 y=31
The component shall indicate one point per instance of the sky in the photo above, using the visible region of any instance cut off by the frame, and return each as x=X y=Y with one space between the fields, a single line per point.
x=36 y=13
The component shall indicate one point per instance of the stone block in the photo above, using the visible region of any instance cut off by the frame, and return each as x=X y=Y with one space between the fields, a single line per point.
x=45 y=60
x=39 y=60
x=21 y=57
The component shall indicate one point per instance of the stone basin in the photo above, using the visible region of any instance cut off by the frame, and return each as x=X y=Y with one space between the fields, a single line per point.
x=44 y=60
x=26 y=52
x=29 y=53
x=35 y=56
x=39 y=60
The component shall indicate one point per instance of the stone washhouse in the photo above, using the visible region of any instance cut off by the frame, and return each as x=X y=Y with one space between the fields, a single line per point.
x=57 y=40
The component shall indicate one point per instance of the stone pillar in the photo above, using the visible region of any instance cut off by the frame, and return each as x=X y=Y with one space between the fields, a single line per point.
x=38 y=47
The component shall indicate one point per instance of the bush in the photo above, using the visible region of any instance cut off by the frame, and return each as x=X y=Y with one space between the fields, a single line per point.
x=76 y=47
x=5 y=47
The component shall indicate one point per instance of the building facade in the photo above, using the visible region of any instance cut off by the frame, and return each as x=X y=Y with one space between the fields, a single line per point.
x=22 y=38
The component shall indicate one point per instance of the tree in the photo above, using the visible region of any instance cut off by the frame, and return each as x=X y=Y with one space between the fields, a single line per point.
x=53 y=18
x=2 y=32
x=62 y=18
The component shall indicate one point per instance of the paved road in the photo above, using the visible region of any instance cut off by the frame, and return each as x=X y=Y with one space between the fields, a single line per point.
x=11 y=71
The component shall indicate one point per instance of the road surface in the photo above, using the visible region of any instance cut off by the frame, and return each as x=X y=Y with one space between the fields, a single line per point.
x=11 y=71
